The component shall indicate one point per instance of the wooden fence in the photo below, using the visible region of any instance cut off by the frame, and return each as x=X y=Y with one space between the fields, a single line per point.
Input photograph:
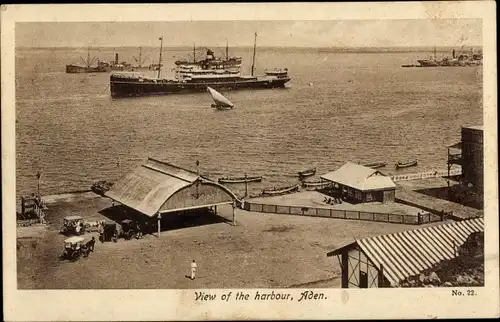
x=341 y=214
x=425 y=175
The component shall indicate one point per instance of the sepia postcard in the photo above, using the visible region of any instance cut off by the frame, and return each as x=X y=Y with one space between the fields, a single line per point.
x=247 y=161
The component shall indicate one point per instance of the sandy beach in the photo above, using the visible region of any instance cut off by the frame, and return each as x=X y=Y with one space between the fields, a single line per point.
x=258 y=252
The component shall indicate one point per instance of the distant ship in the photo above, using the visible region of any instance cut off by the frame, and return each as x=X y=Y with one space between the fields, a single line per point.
x=462 y=60
x=88 y=66
x=95 y=65
x=215 y=62
x=196 y=76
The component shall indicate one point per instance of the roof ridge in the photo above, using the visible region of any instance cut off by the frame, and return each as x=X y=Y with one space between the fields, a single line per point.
x=165 y=172
x=454 y=223
x=172 y=165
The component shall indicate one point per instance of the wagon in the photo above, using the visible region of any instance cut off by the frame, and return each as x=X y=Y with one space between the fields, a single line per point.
x=129 y=229
x=73 y=225
x=109 y=232
x=75 y=247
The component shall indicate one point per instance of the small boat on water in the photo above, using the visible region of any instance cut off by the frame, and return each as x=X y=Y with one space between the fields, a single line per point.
x=307 y=173
x=221 y=102
x=375 y=165
x=408 y=164
x=281 y=190
x=240 y=179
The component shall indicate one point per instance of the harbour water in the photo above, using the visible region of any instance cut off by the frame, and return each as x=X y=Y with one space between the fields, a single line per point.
x=359 y=107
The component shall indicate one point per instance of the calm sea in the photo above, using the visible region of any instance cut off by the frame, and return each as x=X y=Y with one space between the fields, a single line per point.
x=360 y=107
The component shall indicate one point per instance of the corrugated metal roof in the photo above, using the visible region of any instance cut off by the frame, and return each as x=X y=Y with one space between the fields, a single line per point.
x=408 y=253
x=359 y=177
x=475 y=127
x=147 y=187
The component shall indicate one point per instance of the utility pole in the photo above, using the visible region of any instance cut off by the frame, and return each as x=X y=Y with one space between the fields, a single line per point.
x=161 y=49
x=246 y=186
x=253 y=60
x=38 y=176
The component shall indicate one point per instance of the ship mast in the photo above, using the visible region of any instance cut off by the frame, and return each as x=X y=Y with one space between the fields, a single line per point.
x=140 y=57
x=227 y=50
x=161 y=49
x=434 y=52
x=253 y=60
x=88 y=57
x=194 y=53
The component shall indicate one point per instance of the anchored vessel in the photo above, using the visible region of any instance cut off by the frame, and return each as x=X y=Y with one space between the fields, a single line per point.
x=94 y=65
x=196 y=76
x=89 y=66
x=464 y=59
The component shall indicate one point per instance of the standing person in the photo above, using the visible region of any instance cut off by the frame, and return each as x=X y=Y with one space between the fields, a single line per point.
x=193 y=269
x=92 y=244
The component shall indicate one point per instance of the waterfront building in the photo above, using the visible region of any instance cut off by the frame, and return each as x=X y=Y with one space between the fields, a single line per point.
x=361 y=184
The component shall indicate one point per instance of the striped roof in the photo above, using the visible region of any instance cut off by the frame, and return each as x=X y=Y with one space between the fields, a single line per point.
x=360 y=177
x=410 y=252
x=147 y=187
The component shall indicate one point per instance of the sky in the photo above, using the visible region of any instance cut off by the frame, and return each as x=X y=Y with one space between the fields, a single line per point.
x=327 y=33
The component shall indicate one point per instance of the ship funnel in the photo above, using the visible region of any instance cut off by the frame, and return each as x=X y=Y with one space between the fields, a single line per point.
x=116 y=58
x=453 y=53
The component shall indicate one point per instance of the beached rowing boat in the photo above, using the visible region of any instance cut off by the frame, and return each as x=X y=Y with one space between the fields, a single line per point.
x=281 y=190
x=240 y=179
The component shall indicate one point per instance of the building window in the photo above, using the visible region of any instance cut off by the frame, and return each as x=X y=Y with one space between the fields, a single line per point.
x=369 y=196
x=363 y=279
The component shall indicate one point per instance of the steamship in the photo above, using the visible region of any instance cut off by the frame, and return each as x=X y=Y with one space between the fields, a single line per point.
x=197 y=76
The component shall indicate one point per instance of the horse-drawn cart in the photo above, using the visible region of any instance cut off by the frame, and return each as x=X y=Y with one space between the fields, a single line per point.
x=73 y=225
x=109 y=231
x=75 y=247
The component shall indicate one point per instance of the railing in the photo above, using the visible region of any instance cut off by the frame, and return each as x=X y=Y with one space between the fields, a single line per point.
x=425 y=175
x=454 y=157
x=341 y=214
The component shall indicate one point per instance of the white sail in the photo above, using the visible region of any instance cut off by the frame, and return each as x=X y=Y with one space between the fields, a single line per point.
x=219 y=99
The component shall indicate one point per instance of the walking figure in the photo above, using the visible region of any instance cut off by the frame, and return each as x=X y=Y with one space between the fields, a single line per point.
x=92 y=244
x=193 y=269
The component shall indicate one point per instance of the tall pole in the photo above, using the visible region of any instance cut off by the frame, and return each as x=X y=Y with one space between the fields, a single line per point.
x=88 y=57
x=434 y=52
x=194 y=53
x=38 y=176
x=161 y=49
x=253 y=60
x=246 y=186
x=140 y=56
x=227 y=50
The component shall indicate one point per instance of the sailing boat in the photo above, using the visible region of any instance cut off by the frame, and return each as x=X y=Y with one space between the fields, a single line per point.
x=221 y=102
x=89 y=66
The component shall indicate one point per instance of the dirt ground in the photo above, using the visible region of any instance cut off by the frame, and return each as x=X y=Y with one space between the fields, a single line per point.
x=316 y=199
x=261 y=251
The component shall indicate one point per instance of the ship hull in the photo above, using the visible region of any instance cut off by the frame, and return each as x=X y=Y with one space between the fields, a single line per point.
x=74 y=69
x=135 y=88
